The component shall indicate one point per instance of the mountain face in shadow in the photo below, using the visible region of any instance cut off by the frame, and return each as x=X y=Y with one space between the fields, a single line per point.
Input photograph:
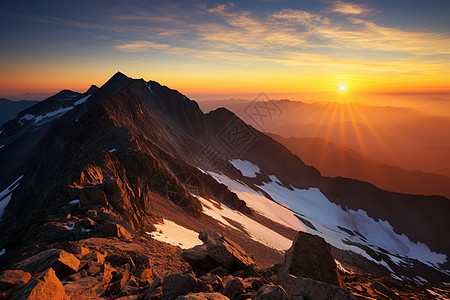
x=9 y=109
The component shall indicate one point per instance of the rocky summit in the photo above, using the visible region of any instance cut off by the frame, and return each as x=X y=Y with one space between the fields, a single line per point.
x=131 y=191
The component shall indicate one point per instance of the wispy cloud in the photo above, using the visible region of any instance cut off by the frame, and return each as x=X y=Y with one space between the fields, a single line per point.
x=349 y=8
x=140 y=46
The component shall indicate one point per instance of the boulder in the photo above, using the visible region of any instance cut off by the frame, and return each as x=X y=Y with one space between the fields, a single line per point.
x=112 y=229
x=228 y=254
x=45 y=286
x=106 y=215
x=144 y=275
x=177 y=285
x=199 y=259
x=91 y=214
x=203 y=296
x=311 y=289
x=10 y=278
x=62 y=262
x=271 y=292
x=310 y=257
x=234 y=288
x=213 y=280
x=52 y=232
x=119 y=279
x=75 y=248
x=85 y=288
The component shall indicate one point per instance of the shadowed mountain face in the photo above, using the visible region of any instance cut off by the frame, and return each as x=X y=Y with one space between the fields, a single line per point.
x=131 y=143
x=335 y=161
x=10 y=109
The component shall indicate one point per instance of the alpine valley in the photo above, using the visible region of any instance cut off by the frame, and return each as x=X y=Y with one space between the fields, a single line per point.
x=130 y=191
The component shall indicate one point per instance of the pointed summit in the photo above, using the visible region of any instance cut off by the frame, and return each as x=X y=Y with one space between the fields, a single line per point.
x=92 y=89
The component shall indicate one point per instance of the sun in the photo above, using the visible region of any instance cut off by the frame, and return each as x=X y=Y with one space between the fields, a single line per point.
x=342 y=88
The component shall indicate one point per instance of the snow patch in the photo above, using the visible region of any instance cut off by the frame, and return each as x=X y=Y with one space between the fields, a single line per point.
x=75 y=202
x=255 y=230
x=261 y=204
x=52 y=114
x=81 y=101
x=26 y=117
x=341 y=267
x=71 y=226
x=149 y=87
x=247 y=168
x=3 y=251
x=6 y=194
x=2 y=146
x=174 y=234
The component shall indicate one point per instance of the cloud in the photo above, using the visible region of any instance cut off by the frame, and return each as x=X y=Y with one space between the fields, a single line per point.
x=299 y=16
x=349 y=8
x=141 y=46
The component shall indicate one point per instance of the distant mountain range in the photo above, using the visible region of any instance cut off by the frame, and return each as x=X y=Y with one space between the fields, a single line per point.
x=9 y=109
x=332 y=160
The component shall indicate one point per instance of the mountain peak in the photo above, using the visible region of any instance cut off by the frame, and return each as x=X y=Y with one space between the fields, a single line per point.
x=92 y=89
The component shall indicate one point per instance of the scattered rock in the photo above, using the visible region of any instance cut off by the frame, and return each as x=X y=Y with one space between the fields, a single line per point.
x=223 y=252
x=45 y=286
x=106 y=215
x=75 y=248
x=177 y=285
x=310 y=257
x=91 y=214
x=119 y=279
x=62 y=262
x=234 y=288
x=111 y=229
x=213 y=280
x=199 y=259
x=144 y=275
x=10 y=278
x=85 y=288
x=271 y=292
x=203 y=296
x=311 y=289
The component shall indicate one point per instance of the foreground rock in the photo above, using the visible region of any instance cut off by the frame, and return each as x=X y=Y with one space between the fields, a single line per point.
x=311 y=289
x=309 y=270
x=310 y=257
x=62 y=262
x=219 y=251
x=203 y=296
x=271 y=292
x=11 y=278
x=45 y=286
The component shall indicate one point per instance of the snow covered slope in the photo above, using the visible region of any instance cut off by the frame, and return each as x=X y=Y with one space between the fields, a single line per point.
x=309 y=210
